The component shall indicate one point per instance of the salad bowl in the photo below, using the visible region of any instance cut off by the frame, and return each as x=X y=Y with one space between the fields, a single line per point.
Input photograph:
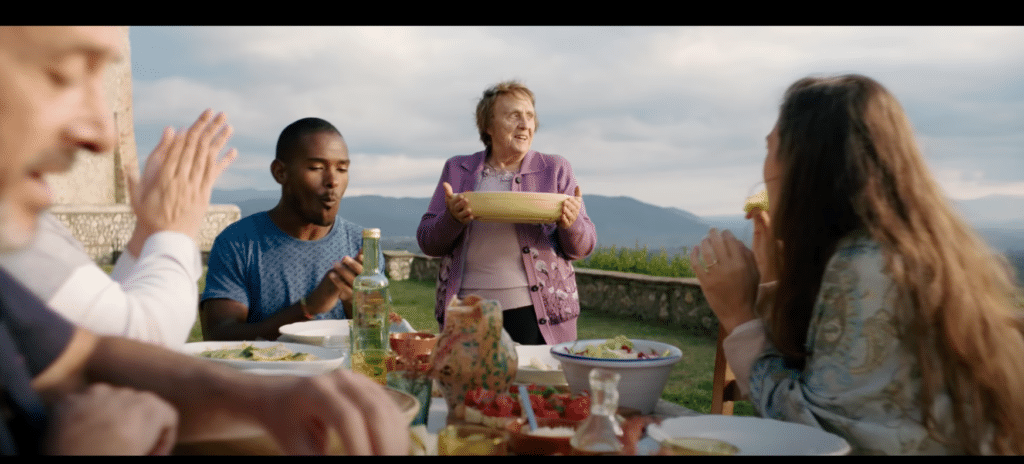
x=642 y=379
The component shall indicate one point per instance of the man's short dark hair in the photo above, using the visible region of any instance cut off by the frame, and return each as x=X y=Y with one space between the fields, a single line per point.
x=292 y=135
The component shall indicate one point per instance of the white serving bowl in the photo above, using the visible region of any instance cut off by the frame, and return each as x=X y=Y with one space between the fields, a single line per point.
x=516 y=207
x=527 y=374
x=332 y=332
x=641 y=382
x=329 y=359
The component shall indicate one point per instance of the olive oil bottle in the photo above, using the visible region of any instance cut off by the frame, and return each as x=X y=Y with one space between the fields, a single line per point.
x=371 y=304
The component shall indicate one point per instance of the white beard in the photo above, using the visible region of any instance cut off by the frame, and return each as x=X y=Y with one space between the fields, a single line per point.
x=12 y=236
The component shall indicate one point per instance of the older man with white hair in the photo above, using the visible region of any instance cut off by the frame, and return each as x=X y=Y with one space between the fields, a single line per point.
x=69 y=390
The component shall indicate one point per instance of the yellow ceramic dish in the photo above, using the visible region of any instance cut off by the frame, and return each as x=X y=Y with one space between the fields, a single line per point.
x=516 y=207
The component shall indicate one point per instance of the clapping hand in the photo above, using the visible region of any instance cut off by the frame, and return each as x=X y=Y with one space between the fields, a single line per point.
x=336 y=285
x=173 y=193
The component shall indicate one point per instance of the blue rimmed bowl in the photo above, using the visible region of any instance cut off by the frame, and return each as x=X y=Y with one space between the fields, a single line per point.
x=641 y=380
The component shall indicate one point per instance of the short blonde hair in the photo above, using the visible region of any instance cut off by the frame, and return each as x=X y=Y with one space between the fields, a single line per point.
x=485 y=108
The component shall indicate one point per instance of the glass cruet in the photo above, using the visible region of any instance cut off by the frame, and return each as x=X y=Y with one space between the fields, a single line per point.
x=600 y=432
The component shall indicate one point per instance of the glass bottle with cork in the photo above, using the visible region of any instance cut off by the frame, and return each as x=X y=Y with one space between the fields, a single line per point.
x=371 y=304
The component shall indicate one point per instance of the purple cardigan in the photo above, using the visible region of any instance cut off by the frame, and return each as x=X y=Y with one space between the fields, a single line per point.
x=547 y=250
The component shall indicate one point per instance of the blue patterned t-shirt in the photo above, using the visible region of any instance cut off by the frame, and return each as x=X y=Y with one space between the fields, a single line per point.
x=254 y=263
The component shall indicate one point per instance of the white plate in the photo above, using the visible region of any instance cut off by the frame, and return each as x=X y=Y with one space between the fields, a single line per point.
x=754 y=435
x=329 y=359
x=317 y=332
x=282 y=372
x=538 y=354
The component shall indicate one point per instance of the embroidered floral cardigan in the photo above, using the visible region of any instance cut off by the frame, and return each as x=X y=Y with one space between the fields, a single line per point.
x=547 y=250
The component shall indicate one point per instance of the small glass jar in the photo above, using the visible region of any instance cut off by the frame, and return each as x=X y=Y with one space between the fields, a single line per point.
x=600 y=433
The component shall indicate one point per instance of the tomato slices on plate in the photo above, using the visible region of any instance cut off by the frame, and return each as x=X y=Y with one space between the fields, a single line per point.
x=546 y=402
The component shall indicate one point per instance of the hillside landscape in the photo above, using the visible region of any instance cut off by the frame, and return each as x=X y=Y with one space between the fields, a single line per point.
x=620 y=221
x=626 y=222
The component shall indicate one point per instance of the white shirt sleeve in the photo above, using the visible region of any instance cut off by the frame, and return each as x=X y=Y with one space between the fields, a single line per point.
x=154 y=298
x=125 y=263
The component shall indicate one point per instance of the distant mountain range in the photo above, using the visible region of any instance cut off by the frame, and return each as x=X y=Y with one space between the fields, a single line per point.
x=622 y=221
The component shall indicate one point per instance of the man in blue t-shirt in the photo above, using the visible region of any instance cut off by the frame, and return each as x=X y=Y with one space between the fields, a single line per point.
x=295 y=262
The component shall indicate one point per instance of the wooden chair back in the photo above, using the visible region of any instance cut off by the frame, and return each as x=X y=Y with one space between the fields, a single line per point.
x=724 y=390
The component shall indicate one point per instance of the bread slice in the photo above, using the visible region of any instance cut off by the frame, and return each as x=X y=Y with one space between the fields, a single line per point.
x=758 y=200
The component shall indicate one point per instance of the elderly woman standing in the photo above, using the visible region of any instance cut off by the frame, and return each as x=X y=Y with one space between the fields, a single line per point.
x=525 y=267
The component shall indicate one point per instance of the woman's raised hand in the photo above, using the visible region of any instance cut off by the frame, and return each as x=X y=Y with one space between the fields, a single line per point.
x=571 y=209
x=728 y=275
x=458 y=205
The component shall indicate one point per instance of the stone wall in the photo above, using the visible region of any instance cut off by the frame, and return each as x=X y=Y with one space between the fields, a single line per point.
x=217 y=218
x=397 y=264
x=672 y=300
x=676 y=301
x=91 y=199
x=99 y=179
x=105 y=229
x=424 y=268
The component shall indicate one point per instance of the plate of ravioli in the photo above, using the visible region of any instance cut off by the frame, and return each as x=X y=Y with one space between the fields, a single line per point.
x=265 y=355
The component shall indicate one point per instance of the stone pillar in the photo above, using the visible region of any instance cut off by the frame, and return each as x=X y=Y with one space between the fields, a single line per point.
x=92 y=199
x=97 y=179
x=397 y=263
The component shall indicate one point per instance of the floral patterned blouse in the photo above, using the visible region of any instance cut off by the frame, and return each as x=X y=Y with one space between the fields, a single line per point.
x=859 y=381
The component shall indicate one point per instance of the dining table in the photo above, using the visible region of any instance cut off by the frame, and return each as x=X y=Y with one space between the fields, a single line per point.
x=759 y=436
x=437 y=416
x=682 y=420
x=438 y=413
x=437 y=420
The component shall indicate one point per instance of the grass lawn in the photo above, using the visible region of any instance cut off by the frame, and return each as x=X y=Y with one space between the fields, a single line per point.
x=689 y=384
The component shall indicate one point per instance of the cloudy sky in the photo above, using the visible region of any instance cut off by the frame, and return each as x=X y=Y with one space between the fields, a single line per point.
x=672 y=116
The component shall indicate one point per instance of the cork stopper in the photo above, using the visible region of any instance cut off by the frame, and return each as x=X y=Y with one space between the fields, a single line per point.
x=371 y=233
